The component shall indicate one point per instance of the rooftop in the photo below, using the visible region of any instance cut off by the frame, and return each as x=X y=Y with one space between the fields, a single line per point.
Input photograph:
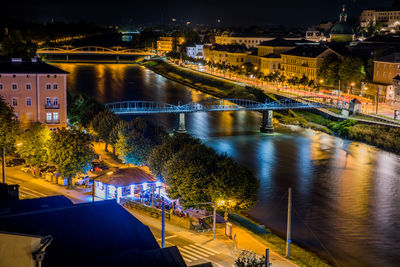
x=392 y=58
x=91 y=232
x=29 y=67
x=306 y=51
x=127 y=176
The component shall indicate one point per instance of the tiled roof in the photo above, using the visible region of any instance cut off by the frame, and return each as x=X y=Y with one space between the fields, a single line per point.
x=29 y=67
x=127 y=176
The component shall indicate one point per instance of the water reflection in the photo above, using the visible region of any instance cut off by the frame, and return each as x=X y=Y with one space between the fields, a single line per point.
x=346 y=195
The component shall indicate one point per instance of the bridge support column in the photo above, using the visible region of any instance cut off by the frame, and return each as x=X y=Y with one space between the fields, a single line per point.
x=117 y=59
x=266 y=124
x=67 y=58
x=181 y=124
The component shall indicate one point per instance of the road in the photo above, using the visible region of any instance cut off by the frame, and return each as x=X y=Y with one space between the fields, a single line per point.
x=193 y=252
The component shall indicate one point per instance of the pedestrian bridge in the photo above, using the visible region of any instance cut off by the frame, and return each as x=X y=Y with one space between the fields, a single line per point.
x=215 y=105
x=212 y=105
x=92 y=50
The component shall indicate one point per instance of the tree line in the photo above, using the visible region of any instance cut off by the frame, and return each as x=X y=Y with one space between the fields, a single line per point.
x=192 y=171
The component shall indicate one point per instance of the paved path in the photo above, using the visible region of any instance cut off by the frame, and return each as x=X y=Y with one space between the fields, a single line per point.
x=195 y=248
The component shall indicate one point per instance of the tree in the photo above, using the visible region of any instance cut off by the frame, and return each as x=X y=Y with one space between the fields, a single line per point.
x=188 y=174
x=82 y=109
x=14 y=45
x=9 y=127
x=233 y=184
x=171 y=145
x=329 y=70
x=352 y=70
x=34 y=145
x=103 y=123
x=196 y=173
x=71 y=151
x=136 y=141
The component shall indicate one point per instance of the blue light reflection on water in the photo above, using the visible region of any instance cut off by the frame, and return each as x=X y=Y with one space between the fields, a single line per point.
x=347 y=193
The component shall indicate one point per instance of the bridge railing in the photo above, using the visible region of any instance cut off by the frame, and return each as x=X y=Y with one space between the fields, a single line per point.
x=149 y=107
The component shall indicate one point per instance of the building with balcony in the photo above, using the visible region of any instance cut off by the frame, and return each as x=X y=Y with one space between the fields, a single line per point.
x=304 y=60
x=166 y=44
x=37 y=92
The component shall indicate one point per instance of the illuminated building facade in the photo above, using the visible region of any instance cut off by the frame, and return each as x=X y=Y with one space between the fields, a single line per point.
x=304 y=60
x=37 y=92
x=389 y=18
x=126 y=183
x=234 y=55
x=166 y=44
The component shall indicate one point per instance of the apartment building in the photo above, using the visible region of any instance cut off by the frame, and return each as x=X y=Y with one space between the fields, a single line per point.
x=165 y=44
x=386 y=68
x=250 y=41
x=37 y=91
x=234 y=55
x=304 y=60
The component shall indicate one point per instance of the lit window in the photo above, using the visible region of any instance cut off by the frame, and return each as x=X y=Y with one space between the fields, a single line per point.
x=48 y=116
x=48 y=86
x=48 y=101
x=55 y=86
x=14 y=102
x=29 y=101
x=55 y=116
x=28 y=86
x=14 y=86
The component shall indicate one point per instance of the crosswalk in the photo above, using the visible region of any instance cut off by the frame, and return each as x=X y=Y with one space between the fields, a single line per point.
x=195 y=252
x=25 y=192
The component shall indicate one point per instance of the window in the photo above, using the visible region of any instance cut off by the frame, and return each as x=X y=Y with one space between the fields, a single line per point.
x=48 y=101
x=55 y=116
x=28 y=101
x=126 y=190
x=1 y=86
x=55 y=102
x=14 y=101
x=14 y=86
x=55 y=86
x=48 y=116
x=28 y=86
x=48 y=86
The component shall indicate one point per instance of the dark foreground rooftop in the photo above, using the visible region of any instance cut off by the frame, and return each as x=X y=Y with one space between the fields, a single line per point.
x=28 y=67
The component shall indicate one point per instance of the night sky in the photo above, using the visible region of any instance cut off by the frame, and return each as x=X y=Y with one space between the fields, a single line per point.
x=230 y=12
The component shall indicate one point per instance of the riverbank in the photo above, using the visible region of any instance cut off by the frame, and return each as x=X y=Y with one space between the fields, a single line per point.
x=379 y=136
x=225 y=89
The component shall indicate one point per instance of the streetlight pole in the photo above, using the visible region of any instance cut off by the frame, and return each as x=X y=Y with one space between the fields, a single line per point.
x=163 y=224
x=3 y=160
x=289 y=224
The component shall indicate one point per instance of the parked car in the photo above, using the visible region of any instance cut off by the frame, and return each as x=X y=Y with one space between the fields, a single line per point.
x=14 y=162
x=82 y=180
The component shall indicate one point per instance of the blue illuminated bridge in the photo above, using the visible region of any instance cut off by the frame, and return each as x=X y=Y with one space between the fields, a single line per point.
x=213 y=105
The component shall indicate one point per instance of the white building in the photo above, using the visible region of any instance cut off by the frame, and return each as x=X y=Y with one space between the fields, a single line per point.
x=195 y=51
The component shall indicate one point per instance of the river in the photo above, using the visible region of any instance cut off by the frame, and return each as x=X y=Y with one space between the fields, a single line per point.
x=346 y=195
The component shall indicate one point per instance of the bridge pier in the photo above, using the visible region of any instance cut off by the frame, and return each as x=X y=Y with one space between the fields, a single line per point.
x=67 y=58
x=181 y=124
x=266 y=124
x=117 y=59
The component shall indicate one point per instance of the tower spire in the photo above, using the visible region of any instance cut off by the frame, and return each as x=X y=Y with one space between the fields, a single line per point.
x=343 y=15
